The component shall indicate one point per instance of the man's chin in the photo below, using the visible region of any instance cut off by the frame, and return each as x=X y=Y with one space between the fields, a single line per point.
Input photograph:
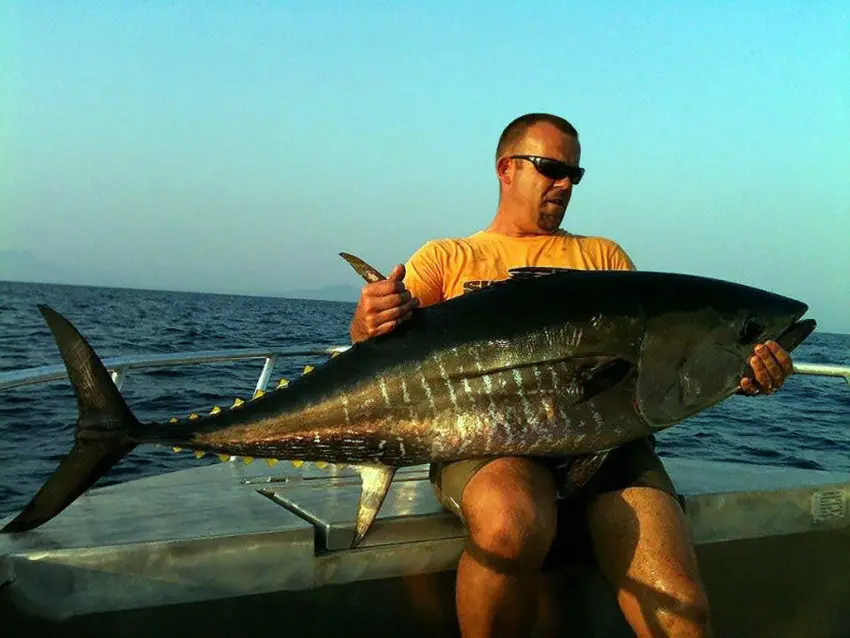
x=550 y=222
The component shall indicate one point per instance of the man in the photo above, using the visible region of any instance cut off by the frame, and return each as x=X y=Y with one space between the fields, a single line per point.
x=638 y=530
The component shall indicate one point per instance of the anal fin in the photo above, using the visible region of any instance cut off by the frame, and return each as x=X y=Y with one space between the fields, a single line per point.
x=375 y=484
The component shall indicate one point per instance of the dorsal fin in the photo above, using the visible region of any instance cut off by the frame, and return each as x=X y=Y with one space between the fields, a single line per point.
x=363 y=269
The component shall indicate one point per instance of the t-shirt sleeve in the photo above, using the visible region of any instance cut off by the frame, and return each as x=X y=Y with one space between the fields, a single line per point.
x=424 y=275
x=619 y=258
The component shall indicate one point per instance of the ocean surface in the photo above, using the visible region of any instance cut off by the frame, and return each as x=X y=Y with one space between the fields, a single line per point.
x=805 y=425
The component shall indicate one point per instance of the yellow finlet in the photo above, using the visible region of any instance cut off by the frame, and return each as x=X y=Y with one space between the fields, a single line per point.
x=272 y=462
x=199 y=453
x=237 y=402
x=335 y=353
x=173 y=419
x=223 y=457
x=308 y=369
x=283 y=383
x=215 y=410
x=248 y=460
x=258 y=393
x=297 y=463
x=177 y=449
x=194 y=416
x=320 y=464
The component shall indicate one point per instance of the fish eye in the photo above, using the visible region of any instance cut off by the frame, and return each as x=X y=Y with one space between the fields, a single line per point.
x=751 y=329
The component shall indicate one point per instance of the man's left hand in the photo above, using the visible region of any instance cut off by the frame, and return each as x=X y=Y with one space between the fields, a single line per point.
x=771 y=366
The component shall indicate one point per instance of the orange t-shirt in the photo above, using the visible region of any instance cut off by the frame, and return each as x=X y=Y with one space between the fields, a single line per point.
x=446 y=268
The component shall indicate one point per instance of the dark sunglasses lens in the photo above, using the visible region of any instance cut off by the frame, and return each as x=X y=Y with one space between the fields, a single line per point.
x=552 y=169
x=558 y=171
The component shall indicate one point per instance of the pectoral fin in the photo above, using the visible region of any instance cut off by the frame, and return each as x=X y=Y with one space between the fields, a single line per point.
x=601 y=375
x=376 y=481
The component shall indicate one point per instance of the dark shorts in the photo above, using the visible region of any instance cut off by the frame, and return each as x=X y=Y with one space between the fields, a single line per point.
x=634 y=464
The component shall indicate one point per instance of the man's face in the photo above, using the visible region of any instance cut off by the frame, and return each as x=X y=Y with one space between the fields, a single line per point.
x=536 y=202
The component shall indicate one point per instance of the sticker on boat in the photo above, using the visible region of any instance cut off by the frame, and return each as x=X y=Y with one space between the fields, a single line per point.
x=829 y=506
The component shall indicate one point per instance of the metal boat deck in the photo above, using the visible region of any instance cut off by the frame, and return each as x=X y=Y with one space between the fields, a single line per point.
x=231 y=531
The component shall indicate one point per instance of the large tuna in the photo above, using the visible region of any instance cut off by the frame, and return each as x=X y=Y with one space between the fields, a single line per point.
x=571 y=364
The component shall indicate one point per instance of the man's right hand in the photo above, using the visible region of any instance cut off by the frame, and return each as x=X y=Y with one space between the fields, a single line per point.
x=383 y=305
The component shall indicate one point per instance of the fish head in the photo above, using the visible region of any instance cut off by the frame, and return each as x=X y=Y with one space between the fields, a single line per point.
x=696 y=348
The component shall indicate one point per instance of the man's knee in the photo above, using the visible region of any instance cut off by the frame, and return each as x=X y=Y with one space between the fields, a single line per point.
x=509 y=507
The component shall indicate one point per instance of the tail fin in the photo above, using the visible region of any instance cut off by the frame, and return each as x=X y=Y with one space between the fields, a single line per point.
x=103 y=427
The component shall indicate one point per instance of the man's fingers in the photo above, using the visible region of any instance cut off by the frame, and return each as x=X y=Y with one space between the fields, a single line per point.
x=382 y=288
x=397 y=273
x=382 y=322
x=774 y=368
x=387 y=326
x=782 y=357
x=762 y=376
x=392 y=314
x=748 y=387
x=767 y=373
x=383 y=328
x=771 y=365
x=777 y=376
x=386 y=302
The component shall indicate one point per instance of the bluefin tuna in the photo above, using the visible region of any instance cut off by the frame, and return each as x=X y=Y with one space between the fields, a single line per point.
x=547 y=363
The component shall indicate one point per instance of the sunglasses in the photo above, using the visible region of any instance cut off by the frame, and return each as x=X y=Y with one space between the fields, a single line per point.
x=552 y=168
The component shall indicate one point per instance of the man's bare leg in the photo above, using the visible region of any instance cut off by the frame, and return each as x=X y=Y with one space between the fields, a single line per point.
x=644 y=549
x=509 y=508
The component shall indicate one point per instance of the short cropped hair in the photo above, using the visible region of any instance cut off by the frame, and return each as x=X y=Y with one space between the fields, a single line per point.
x=516 y=130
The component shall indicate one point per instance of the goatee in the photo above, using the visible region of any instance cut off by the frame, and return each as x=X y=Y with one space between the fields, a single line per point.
x=548 y=221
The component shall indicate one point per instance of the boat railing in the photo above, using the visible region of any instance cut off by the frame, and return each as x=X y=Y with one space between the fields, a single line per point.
x=120 y=367
x=823 y=370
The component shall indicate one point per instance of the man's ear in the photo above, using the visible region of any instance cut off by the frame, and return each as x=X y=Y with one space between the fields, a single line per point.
x=505 y=170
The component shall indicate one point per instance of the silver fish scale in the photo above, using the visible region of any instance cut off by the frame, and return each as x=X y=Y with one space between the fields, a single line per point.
x=512 y=410
x=459 y=402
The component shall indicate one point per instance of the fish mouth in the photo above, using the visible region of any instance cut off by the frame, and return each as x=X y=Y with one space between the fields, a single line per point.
x=796 y=333
x=789 y=339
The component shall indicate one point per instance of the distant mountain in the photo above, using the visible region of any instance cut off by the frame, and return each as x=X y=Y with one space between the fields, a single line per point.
x=327 y=293
x=21 y=265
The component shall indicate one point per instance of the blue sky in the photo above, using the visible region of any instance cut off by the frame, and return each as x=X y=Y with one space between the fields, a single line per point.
x=240 y=148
